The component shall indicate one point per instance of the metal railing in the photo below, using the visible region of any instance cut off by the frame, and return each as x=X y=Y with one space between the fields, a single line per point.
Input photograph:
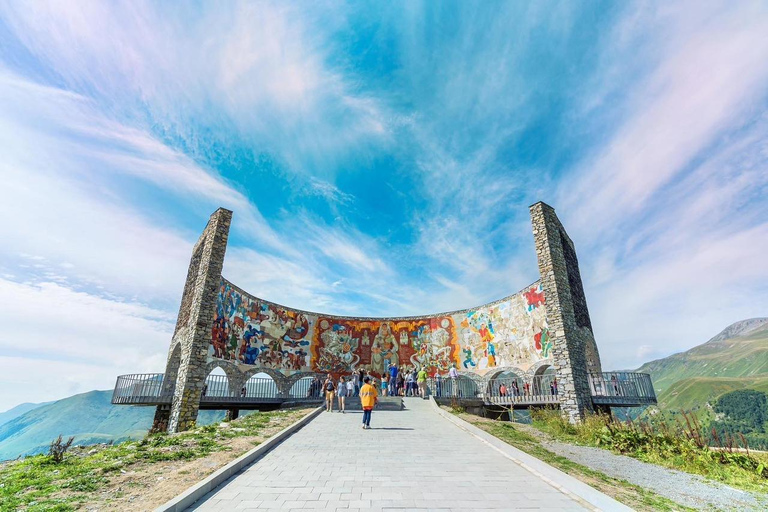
x=141 y=388
x=542 y=389
x=622 y=388
x=148 y=389
x=609 y=388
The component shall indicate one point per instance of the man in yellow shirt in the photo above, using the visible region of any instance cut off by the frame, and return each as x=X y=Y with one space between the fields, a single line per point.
x=368 y=397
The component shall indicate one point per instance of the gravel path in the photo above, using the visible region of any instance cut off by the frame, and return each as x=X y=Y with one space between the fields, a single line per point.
x=689 y=490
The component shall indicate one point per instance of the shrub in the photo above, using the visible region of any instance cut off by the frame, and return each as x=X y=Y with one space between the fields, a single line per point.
x=59 y=448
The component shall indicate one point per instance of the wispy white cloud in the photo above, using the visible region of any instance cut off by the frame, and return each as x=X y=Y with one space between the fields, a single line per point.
x=671 y=204
x=50 y=329
x=263 y=79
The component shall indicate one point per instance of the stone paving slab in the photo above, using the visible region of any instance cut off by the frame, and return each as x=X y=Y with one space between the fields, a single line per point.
x=409 y=460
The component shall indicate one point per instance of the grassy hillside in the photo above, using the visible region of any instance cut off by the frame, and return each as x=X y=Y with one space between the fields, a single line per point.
x=90 y=417
x=743 y=355
x=17 y=411
x=737 y=358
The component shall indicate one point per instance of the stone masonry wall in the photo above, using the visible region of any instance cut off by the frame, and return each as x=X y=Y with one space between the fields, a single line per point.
x=193 y=326
x=567 y=314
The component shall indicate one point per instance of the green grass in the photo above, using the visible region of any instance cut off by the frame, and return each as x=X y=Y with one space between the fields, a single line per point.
x=666 y=444
x=37 y=483
x=621 y=490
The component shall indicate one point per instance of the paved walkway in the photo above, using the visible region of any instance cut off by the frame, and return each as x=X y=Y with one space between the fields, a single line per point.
x=409 y=460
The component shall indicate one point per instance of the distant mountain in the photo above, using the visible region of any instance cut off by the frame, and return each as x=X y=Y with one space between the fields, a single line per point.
x=17 y=411
x=736 y=358
x=90 y=417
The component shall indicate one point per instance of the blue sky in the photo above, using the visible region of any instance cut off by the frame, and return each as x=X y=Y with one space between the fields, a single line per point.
x=380 y=159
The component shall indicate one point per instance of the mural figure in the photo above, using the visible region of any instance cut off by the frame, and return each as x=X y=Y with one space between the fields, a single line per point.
x=337 y=355
x=384 y=350
x=252 y=332
x=509 y=333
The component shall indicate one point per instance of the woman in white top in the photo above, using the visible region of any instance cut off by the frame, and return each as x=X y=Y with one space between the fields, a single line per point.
x=342 y=390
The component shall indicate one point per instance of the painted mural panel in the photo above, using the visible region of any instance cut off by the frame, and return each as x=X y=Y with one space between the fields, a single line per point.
x=510 y=333
x=249 y=331
x=253 y=332
x=341 y=345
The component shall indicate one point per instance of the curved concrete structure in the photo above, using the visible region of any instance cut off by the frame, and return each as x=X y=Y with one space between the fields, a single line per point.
x=544 y=326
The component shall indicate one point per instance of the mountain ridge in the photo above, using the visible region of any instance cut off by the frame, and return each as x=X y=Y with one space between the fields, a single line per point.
x=90 y=417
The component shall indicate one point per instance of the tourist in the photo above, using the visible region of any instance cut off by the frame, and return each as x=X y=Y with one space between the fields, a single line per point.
x=408 y=383
x=351 y=386
x=414 y=382
x=515 y=388
x=615 y=383
x=393 y=373
x=341 y=392
x=360 y=377
x=384 y=383
x=421 y=378
x=368 y=399
x=438 y=385
x=243 y=392
x=527 y=389
x=553 y=387
x=453 y=373
x=330 y=389
x=502 y=390
x=400 y=384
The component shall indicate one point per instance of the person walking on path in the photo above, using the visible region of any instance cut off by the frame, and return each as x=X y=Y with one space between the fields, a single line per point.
x=368 y=397
x=421 y=378
x=341 y=392
x=330 y=388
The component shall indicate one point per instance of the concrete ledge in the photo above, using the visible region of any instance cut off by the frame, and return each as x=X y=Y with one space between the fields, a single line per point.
x=194 y=493
x=576 y=489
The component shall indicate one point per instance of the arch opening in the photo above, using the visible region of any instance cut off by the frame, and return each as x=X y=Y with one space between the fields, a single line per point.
x=545 y=381
x=508 y=383
x=216 y=384
x=259 y=385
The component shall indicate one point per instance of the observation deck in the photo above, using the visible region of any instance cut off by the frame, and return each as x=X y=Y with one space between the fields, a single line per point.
x=614 y=389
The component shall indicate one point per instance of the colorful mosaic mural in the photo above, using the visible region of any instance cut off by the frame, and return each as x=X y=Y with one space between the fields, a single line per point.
x=342 y=345
x=248 y=331
x=509 y=333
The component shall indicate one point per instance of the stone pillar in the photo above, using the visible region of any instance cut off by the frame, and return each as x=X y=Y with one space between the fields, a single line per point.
x=193 y=326
x=574 y=351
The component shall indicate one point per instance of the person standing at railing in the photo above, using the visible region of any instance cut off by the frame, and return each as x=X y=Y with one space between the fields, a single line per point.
x=438 y=385
x=515 y=388
x=243 y=392
x=453 y=374
x=553 y=387
x=330 y=390
x=502 y=390
x=615 y=383
x=527 y=389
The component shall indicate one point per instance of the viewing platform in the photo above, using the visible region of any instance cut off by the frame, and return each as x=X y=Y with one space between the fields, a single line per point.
x=614 y=389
